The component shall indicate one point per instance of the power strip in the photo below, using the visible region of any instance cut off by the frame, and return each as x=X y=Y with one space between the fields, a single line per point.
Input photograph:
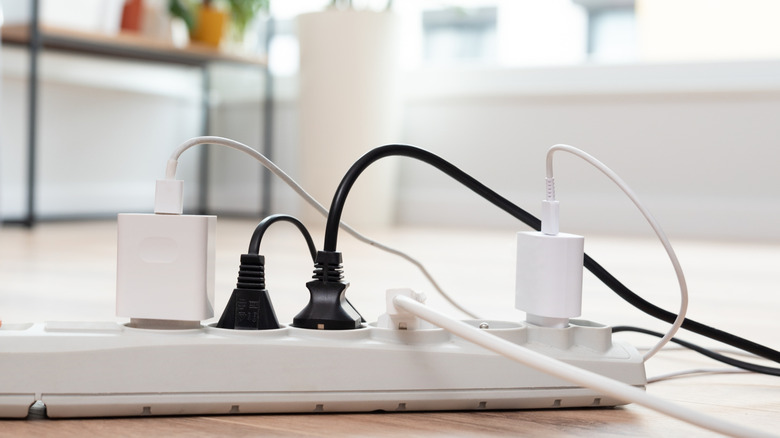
x=88 y=369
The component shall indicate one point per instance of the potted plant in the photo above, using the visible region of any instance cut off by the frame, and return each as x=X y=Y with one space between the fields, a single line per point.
x=242 y=12
x=208 y=20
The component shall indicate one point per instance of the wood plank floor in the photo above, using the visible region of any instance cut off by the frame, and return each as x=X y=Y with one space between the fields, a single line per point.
x=66 y=271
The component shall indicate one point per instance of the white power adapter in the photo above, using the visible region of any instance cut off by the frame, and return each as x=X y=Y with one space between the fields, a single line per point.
x=549 y=277
x=165 y=266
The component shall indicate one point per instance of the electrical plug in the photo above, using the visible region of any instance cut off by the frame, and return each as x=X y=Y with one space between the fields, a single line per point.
x=549 y=277
x=249 y=306
x=399 y=319
x=165 y=269
x=549 y=269
x=328 y=308
x=165 y=263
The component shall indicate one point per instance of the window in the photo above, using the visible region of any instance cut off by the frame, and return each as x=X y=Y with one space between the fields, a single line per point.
x=459 y=34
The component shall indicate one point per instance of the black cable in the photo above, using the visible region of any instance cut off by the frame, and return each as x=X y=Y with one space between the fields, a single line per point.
x=249 y=306
x=640 y=303
x=262 y=227
x=339 y=199
x=706 y=352
x=257 y=237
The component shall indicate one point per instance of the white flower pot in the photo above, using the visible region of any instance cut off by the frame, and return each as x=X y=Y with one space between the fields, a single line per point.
x=349 y=104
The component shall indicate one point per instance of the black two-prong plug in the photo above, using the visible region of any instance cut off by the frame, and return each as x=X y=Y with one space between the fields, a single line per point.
x=249 y=307
x=328 y=308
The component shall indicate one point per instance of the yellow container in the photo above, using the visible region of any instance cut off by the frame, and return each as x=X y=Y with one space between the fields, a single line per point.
x=211 y=26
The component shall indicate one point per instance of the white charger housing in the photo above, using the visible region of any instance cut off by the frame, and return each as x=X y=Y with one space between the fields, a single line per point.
x=549 y=277
x=165 y=266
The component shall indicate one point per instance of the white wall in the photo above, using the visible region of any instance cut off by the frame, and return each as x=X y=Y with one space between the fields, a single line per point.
x=105 y=130
x=698 y=142
x=235 y=179
x=708 y=29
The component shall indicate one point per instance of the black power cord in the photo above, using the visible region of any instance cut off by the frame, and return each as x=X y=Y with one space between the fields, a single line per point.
x=249 y=306
x=706 y=352
x=262 y=227
x=339 y=200
x=696 y=327
x=323 y=308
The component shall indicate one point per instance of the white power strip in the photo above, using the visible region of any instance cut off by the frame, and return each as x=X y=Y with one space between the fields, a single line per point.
x=87 y=369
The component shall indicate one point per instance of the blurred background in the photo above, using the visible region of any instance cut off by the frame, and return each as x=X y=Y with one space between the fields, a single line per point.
x=680 y=97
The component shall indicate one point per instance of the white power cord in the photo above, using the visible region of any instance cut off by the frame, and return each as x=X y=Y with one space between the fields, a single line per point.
x=170 y=175
x=694 y=372
x=571 y=373
x=515 y=352
x=650 y=219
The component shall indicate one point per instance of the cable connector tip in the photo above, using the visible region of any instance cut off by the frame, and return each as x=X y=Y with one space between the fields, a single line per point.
x=550 y=217
x=169 y=196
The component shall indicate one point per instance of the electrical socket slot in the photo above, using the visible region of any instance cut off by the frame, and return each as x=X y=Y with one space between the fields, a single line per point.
x=84 y=369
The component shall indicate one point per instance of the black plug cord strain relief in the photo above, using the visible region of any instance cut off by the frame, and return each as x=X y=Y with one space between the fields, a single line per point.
x=251 y=272
x=328 y=267
x=252 y=259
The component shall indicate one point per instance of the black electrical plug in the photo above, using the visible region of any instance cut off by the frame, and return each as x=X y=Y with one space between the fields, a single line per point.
x=249 y=307
x=328 y=308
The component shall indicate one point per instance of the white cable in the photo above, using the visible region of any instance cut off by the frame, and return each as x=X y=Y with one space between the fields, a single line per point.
x=650 y=219
x=732 y=351
x=694 y=372
x=562 y=370
x=170 y=174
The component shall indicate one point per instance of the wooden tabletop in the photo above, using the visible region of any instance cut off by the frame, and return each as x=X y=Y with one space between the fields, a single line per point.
x=66 y=271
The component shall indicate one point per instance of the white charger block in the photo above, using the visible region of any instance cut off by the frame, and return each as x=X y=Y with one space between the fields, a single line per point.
x=549 y=274
x=165 y=266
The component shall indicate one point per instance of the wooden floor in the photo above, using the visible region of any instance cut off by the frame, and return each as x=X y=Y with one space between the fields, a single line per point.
x=66 y=271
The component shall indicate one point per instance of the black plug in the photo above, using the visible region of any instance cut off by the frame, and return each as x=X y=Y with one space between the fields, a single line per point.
x=249 y=307
x=328 y=308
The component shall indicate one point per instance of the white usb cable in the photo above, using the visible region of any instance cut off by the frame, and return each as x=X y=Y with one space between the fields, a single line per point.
x=571 y=373
x=168 y=200
x=645 y=212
